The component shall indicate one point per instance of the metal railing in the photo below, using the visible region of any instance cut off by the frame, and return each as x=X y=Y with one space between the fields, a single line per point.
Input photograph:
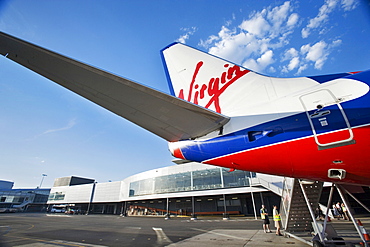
x=270 y=186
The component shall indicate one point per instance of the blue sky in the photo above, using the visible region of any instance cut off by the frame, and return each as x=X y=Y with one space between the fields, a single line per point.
x=46 y=129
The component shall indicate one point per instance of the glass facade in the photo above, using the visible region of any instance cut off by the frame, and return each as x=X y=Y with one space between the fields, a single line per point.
x=236 y=178
x=207 y=179
x=57 y=196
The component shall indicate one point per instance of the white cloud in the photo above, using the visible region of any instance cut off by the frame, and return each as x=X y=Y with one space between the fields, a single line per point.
x=232 y=45
x=272 y=69
x=183 y=38
x=301 y=68
x=256 y=26
x=264 y=35
x=337 y=42
x=266 y=59
x=262 y=62
x=317 y=54
x=316 y=51
x=278 y=16
x=293 y=63
x=305 y=48
x=293 y=19
x=289 y=54
x=305 y=32
x=209 y=41
x=251 y=64
x=252 y=42
x=69 y=125
x=228 y=23
x=188 y=32
x=348 y=5
x=323 y=15
x=321 y=18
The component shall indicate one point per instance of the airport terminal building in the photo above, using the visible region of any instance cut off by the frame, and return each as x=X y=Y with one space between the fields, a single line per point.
x=16 y=200
x=187 y=189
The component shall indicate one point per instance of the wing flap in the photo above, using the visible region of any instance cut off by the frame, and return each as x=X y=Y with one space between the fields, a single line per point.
x=164 y=115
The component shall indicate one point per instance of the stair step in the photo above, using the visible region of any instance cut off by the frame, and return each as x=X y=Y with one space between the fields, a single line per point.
x=299 y=218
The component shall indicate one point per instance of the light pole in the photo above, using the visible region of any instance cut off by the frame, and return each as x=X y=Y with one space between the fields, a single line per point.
x=42 y=180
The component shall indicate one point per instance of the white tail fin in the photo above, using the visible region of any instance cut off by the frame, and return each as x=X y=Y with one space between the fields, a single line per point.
x=201 y=78
x=222 y=86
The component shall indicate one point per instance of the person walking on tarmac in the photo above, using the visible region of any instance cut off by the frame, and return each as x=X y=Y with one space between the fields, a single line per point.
x=265 y=218
x=277 y=221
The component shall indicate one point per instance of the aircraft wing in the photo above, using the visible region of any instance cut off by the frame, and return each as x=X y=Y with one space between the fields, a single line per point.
x=164 y=115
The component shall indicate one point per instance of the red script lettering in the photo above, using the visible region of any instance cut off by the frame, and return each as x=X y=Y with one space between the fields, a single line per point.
x=215 y=86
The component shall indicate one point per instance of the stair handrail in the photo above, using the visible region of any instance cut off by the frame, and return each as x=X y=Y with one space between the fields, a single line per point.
x=268 y=185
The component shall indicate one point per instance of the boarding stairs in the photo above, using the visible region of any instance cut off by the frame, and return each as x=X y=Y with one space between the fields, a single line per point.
x=295 y=214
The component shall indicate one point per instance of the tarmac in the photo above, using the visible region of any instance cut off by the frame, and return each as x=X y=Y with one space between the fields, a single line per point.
x=229 y=238
x=239 y=238
x=36 y=230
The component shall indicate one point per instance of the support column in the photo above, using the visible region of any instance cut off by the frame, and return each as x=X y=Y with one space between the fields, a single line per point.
x=168 y=211
x=193 y=216
x=254 y=205
x=327 y=210
x=226 y=216
x=91 y=198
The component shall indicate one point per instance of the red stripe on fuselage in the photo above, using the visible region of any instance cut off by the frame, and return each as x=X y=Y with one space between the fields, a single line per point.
x=178 y=154
x=302 y=159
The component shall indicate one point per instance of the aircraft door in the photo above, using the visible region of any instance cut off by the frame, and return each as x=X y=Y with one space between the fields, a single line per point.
x=327 y=118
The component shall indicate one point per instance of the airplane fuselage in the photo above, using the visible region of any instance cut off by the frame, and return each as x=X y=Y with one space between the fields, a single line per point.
x=328 y=143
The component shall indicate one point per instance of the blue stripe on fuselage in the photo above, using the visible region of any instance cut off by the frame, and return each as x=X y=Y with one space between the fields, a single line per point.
x=284 y=129
x=292 y=127
x=325 y=78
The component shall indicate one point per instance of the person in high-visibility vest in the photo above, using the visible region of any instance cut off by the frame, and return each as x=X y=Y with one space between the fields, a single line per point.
x=277 y=220
x=265 y=218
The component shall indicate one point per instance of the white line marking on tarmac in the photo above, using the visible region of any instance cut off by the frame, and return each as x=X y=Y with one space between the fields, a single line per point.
x=161 y=236
x=217 y=233
x=58 y=215
x=133 y=227
x=54 y=243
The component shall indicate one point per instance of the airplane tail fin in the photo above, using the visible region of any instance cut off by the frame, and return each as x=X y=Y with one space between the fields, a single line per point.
x=203 y=79
x=222 y=86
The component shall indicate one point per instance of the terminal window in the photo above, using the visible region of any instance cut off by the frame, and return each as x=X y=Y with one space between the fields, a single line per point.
x=188 y=181
x=57 y=196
